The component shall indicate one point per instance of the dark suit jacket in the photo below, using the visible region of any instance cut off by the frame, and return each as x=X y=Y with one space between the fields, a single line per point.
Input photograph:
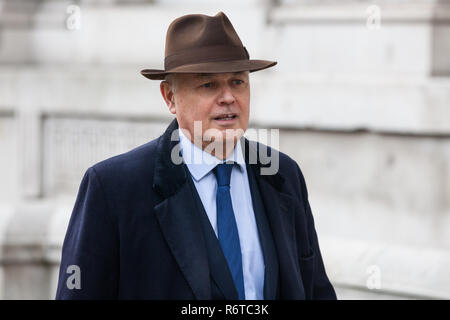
x=139 y=231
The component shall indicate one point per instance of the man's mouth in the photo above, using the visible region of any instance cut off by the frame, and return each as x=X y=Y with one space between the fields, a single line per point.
x=224 y=117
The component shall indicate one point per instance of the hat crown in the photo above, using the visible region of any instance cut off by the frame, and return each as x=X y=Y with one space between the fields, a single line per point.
x=199 y=30
x=197 y=43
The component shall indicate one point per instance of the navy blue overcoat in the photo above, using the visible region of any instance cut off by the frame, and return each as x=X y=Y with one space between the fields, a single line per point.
x=138 y=231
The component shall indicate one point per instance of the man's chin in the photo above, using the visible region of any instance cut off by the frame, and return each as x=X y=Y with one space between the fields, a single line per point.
x=228 y=135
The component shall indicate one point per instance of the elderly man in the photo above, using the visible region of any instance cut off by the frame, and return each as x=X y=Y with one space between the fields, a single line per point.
x=193 y=214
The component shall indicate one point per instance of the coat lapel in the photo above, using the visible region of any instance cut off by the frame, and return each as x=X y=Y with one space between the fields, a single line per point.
x=266 y=239
x=180 y=225
x=220 y=272
x=280 y=212
x=279 y=207
x=177 y=216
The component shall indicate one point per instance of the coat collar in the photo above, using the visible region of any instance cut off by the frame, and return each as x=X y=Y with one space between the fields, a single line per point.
x=170 y=176
x=200 y=162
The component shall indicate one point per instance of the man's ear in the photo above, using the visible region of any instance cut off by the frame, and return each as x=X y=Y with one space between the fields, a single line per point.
x=168 y=95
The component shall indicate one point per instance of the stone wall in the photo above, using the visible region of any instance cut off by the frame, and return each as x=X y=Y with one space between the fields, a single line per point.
x=363 y=108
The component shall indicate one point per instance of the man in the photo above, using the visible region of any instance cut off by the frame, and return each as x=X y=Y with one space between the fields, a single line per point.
x=158 y=223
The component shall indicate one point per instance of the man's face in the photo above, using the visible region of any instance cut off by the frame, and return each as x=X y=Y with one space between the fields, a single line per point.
x=209 y=98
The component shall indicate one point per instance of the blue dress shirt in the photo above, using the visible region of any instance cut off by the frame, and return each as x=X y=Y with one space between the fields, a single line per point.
x=200 y=165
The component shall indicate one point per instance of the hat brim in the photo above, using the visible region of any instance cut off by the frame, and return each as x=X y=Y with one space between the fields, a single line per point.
x=211 y=67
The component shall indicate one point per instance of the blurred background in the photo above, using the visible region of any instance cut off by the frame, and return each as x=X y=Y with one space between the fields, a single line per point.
x=361 y=95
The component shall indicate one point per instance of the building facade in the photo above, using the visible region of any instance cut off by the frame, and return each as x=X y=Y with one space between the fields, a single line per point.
x=360 y=95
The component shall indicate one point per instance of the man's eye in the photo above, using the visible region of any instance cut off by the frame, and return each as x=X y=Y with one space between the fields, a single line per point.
x=207 y=85
x=238 y=82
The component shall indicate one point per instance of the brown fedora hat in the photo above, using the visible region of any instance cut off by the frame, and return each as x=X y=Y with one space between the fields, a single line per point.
x=197 y=43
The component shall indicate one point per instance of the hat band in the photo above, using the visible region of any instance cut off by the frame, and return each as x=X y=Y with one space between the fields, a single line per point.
x=205 y=54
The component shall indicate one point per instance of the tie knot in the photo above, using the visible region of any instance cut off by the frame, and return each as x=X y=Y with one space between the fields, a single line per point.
x=223 y=173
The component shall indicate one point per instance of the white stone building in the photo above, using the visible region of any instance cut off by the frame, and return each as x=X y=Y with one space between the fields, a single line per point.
x=361 y=95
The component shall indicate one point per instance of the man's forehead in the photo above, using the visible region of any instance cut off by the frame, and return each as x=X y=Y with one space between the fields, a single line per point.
x=212 y=75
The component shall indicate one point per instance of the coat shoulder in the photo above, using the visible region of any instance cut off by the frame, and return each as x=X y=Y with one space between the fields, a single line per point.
x=136 y=162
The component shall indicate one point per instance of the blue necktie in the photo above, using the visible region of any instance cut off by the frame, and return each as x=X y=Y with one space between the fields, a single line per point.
x=226 y=227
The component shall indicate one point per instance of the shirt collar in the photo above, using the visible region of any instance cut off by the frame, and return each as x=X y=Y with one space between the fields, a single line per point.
x=200 y=162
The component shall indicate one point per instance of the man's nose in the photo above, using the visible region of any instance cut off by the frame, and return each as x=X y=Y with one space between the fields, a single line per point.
x=226 y=96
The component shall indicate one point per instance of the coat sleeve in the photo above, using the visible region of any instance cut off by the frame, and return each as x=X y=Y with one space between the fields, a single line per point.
x=90 y=255
x=320 y=286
